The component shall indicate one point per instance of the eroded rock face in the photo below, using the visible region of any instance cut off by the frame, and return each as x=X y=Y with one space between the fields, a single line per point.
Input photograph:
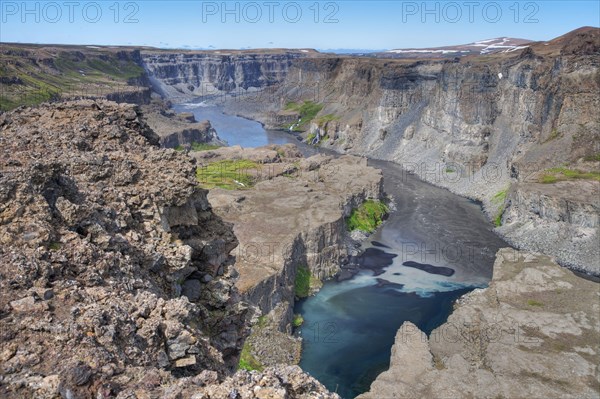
x=188 y=74
x=560 y=218
x=533 y=333
x=115 y=274
x=179 y=130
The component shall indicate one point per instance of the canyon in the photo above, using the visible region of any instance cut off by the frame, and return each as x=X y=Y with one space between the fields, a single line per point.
x=149 y=284
x=486 y=127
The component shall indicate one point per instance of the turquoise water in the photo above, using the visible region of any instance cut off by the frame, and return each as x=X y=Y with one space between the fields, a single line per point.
x=350 y=327
x=435 y=247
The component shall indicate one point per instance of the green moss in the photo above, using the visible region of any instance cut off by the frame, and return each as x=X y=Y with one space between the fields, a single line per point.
x=592 y=158
x=562 y=174
x=367 y=217
x=179 y=148
x=227 y=174
x=323 y=120
x=548 y=179
x=307 y=110
x=262 y=321
x=305 y=282
x=204 y=146
x=302 y=282
x=248 y=361
x=499 y=200
x=298 y=320
x=533 y=302
x=54 y=246
x=498 y=219
x=500 y=197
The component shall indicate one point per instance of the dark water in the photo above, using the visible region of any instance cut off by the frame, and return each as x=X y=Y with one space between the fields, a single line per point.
x=435 y=247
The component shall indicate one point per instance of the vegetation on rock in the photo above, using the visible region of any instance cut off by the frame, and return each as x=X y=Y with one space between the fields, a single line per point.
x=227 y=174
x=39 y=75
x=304 y=282
x=554 y=175
x=298 y=320
x=367 y=217
x=499 y=200
x=307 y=111
x=248 y=361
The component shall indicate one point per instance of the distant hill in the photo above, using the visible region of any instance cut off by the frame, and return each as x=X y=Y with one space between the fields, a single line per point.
x=482 y=47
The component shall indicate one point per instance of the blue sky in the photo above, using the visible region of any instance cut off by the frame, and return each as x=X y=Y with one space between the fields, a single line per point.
x=290 y=24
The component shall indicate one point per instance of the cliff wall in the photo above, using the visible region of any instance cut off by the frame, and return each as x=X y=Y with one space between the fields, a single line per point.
x=475 y=125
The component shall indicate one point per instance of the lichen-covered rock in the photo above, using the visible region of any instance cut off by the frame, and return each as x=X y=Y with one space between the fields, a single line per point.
x=101 y=233
x=285 y=382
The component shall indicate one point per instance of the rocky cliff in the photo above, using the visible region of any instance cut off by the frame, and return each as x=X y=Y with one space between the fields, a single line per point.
x=115 y=275
x=532 y=333
x=292 y=218
x=186 y=74
x=179 y=131
x=475 y=125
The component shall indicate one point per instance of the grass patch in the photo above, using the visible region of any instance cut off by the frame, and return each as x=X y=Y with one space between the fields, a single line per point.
x=500 y=197
x=323 y=120
x=307 y=110
x=298 y=320
x=227 y=174
x=533 y=302
x=54 y=246
x=311 y=136
x=499 y=200
x=262 y=321
x=248 y=361
x=553 y=136
x=548 y=179
x=367 y=217
x=498 y=219
x=204 y=146
x=562 y=174
x=304 y=282
x=592 y=158
x=84 y=73
x=179 y=148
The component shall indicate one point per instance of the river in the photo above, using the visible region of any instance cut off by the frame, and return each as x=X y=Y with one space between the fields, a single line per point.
x=435 y=247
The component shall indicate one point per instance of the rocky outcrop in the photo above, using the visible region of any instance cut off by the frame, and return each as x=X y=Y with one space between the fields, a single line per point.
x=293 y=217
x=560 y=218
x=179 y=130
x=532 y=333
x=281 y=382
x=115 y=274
